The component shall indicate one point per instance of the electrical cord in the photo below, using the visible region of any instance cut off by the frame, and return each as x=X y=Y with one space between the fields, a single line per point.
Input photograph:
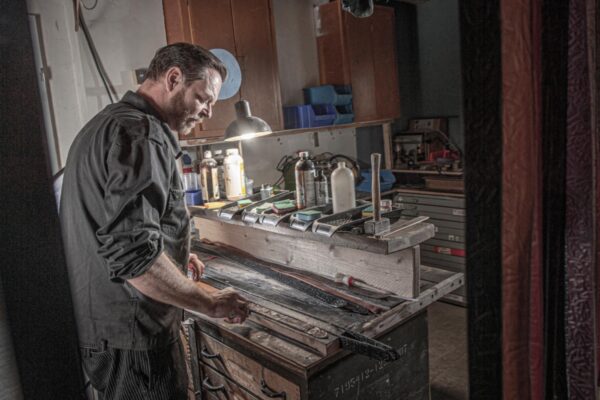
x=96 y=58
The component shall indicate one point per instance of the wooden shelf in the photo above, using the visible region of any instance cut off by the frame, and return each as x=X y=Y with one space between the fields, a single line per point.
x=217 y=140
x=426 y=172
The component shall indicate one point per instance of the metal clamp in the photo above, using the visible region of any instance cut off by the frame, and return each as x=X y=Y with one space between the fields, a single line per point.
x=267 y=391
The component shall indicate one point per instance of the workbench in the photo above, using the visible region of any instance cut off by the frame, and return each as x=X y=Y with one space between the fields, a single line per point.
x=293 y=347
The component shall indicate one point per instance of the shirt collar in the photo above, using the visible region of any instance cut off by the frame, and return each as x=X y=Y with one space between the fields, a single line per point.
x=139 y=102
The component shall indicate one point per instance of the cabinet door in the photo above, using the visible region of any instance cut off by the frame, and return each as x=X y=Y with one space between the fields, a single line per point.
x=360 y=52
x=358 y=44
x=256 y=52
x=385 y=63
x=245 y=29
x=212 y=27
x=333 y=63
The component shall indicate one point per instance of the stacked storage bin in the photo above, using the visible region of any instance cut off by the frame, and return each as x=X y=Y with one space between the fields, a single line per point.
x=325 y=105
x=340 y=96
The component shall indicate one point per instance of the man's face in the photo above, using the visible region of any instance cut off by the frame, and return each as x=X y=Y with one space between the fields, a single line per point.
x=193 y=101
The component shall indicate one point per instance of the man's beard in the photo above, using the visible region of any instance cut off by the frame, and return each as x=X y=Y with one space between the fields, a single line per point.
x=181 y=118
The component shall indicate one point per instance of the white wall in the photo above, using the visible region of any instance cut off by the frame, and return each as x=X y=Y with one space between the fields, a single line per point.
x=126 y=34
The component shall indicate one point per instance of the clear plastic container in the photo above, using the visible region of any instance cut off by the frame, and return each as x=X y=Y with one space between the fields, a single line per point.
x=342 y=188
x=235 y=185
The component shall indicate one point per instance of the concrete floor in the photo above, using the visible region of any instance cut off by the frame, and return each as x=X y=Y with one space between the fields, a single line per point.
x=448 y=359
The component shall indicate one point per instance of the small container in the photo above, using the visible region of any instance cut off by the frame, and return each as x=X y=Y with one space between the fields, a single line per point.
x=209 y=178
x=219 y=158
x=304 y=172
x=235 y=185
x=266 y=192
x=321 y=188
x=193 y=191
x=386 y=205
x=249 y=186
x=342 y=188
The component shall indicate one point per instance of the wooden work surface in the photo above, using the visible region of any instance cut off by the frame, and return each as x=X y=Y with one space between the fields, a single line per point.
x=408 y=238
x=267 y=344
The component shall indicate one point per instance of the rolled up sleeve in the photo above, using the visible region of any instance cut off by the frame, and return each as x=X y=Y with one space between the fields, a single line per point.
x=136 y=196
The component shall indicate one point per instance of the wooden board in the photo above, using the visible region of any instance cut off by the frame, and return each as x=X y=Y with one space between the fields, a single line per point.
x=410 y=237
x=393 y=272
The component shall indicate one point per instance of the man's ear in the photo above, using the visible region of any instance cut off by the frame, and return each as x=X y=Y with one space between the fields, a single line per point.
x=173 y=77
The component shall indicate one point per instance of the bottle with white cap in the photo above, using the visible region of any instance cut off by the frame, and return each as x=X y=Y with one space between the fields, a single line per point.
x=235 y=185
x=209 y=177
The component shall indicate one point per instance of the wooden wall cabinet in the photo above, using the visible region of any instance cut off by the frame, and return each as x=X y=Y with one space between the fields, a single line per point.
x=360 y=52
x=245 y=28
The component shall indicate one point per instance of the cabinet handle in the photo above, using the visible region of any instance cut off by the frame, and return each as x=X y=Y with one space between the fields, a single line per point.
x=207 y=385
x=267 y=391
x=204 y=352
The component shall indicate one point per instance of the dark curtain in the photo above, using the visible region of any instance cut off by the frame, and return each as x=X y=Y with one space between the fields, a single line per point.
x=536 y=207
x=549 y=214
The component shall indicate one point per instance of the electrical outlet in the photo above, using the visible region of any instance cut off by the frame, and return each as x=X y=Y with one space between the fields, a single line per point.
x=140 y=75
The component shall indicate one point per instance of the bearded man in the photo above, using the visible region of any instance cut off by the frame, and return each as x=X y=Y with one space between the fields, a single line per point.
x=126 y=230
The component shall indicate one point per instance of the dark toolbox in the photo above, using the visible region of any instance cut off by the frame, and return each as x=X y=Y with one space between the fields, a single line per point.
x=447 y=211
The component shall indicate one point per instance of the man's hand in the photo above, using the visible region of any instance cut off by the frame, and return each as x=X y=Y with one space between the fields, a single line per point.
x=228 y=304
x=196 y=267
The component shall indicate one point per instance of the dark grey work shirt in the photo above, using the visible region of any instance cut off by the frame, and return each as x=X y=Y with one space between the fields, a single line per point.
x=122 y=205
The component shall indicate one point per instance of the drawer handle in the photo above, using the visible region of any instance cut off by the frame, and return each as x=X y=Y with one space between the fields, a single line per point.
x=206 y=385
x=204 y=352
x=267 y=391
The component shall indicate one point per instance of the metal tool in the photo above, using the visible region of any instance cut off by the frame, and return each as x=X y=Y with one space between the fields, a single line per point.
x=329 y=224
x=378 y=225
x=303 y=226
x=403 y=224
x=250 y=216
x=232 y=209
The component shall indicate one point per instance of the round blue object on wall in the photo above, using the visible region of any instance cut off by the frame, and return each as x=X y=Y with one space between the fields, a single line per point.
x=234 y=74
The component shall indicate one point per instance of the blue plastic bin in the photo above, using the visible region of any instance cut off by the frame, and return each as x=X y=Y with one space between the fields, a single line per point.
x=328 y=94
x=308 y=116
x=387 y=180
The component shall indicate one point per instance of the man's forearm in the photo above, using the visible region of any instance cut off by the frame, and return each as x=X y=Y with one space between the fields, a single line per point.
x=165 y=283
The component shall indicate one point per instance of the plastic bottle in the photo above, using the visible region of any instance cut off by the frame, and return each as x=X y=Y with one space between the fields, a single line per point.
x=304 y=172
x=235 y=185
x=219 y=158
x=209 y=178
x=193 y=191
x=321 y=188
x=342 y=188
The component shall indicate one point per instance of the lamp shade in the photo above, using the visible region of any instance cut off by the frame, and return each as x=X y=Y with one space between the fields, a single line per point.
x=246 y=126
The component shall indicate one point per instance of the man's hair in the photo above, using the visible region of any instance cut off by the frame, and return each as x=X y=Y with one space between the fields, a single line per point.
x=193 y=61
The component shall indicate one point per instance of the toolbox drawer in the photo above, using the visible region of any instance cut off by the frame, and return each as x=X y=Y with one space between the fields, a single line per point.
x=217 y=387
x=440 y=201
x=243 y=370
